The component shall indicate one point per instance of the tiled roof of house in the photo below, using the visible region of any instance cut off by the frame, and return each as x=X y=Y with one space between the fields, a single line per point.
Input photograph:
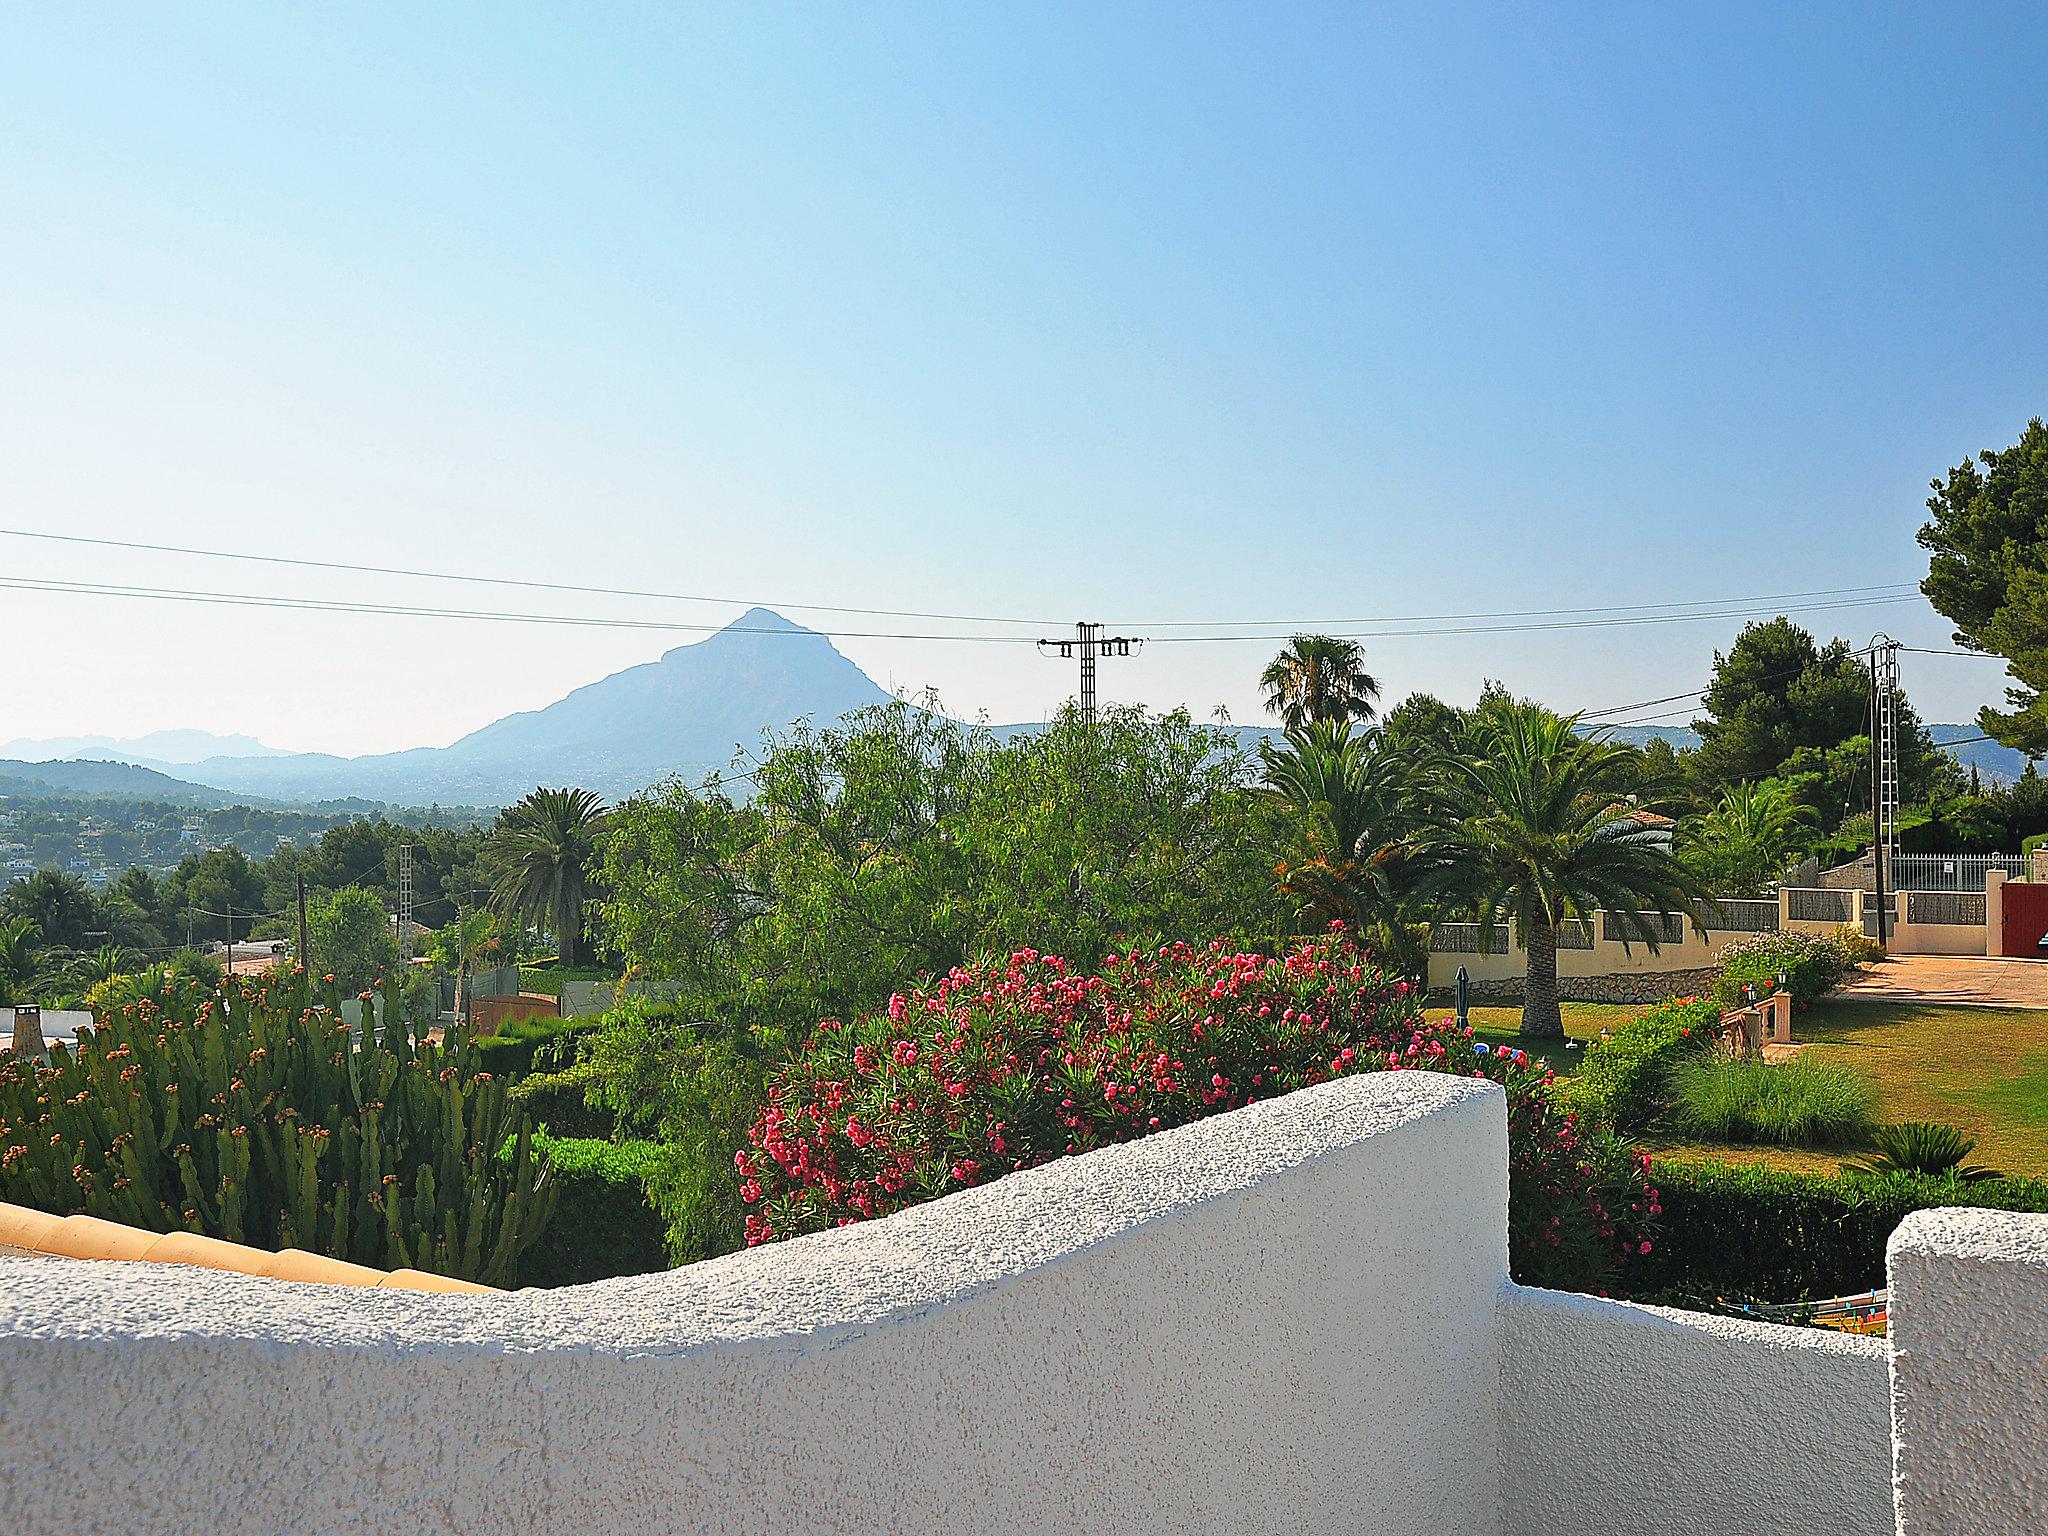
x=39 y=1233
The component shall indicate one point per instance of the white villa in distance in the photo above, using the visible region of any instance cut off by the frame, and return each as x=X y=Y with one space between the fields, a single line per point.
x=1292 y=1318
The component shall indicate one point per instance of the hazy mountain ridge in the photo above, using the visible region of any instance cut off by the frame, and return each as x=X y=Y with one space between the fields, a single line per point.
x=179 y=748
x=686 y=713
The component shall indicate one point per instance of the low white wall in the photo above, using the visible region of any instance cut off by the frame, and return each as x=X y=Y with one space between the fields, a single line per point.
x=1279 y=1319
x=1620 y=1420
x=1969 y=1332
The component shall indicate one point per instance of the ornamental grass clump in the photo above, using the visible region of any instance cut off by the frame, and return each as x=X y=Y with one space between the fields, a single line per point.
x=1798 y=1103
x=1009 y=1064
x=256 y=1114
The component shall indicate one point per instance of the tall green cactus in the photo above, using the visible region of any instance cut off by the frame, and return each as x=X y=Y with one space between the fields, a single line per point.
x=260 y=1116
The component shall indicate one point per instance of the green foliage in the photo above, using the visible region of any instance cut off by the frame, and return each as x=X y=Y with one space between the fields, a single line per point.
x=1740 y=846
x=352 y=940
x=1319 y=679
x=1351 y=803
x=696 y=1087
x=1988 y=573
x=1776 y=693
x=521 y=1044
x=1813 y=965
x=1804 y=1102
x=1925 y=1148
x=256 y=1115
x=1537 y=830
x=1623 y=1080
x=603 y=1222
x=1754 y=1234
x=57 y=904
x=540 y=859
x=559 y=1101
x=21 y=958
x=900 y=842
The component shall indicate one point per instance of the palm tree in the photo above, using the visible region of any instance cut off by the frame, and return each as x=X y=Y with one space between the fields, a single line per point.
x=1540 y=830
x=1319 y=677
x=20 y=961
x=1746 y=840
x=1349 y=796
x=89 y=968
x=541 y=855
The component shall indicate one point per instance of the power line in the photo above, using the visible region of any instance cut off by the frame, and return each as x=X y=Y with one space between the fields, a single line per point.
x=1896 y=588
x=525 y=583
x=410 y=610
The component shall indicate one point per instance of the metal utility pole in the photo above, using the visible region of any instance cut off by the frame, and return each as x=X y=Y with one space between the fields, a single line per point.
x=231 y=938
x=1090 y=642
x=305 y=942
x=1884 y=767
x=405 y=902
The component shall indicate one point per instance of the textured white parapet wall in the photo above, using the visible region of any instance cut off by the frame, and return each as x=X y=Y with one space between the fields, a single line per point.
x=1969 y=1329
x=1278 y=1320
x=1621 y=1420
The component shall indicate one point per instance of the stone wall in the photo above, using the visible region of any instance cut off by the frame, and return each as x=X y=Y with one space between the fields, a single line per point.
x=1624 y=987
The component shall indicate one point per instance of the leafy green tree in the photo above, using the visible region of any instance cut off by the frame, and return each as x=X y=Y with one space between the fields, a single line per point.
x=1776 y=693
x=351 y=938
x=205 y=888
x=60 y=905
x=1540 y=833
x=1987 y=573
x=1423 y=723
x=1351 y=805
x=1319 y=677
x=542 y=857
x=900 y=842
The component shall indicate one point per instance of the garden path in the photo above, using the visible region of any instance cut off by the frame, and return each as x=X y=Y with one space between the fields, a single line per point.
x=1967 y=981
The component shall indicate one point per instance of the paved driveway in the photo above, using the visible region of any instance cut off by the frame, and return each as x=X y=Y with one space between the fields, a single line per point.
x=1969 y=981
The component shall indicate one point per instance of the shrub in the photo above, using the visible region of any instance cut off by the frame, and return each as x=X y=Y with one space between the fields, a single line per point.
x=1754 y=1234
x=1006 y=1065
x=258 y=1116
x=1623 y=1081
x=1812 y=964
x=604 y=1223
x=559 y=1102
x=1797 y=1103
x=696 y=1086
x=522 y=1044
x=1921 y=1147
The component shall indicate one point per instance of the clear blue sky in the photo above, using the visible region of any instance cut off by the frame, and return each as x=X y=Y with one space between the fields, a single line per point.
x=1143 y=314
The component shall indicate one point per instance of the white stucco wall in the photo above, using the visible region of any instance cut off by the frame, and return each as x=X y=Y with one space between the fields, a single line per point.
x=1621 y=1420
x=1969 y=1330
x=1277 y=1320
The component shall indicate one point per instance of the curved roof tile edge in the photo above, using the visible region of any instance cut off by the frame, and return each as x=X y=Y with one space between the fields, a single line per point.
x=89 y=1237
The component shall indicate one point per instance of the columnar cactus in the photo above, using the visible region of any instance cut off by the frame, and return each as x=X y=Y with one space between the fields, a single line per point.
x=260 y=1116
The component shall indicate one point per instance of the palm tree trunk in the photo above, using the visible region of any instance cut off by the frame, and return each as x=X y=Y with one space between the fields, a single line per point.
x=1541 y=1017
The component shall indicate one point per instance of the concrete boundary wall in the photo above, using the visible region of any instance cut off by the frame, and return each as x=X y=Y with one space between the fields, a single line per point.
x=1969 y=1334
x=1277 y=1320
x=1619 y=1420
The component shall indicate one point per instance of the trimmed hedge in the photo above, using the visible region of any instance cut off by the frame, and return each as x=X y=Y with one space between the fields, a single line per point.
x=603 y=1225
x=556 y=1103
x=1621 y=1083
x=1752 y=1234
x=511 y=1052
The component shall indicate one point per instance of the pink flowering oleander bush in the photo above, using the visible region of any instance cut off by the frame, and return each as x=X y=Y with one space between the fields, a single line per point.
x=1008 y=1064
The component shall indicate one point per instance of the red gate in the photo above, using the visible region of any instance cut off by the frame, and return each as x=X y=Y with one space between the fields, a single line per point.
x=2025 y=911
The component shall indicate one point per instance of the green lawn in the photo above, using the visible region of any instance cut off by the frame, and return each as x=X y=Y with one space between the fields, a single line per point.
x=1582 y=1021
x=1984 y=1070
